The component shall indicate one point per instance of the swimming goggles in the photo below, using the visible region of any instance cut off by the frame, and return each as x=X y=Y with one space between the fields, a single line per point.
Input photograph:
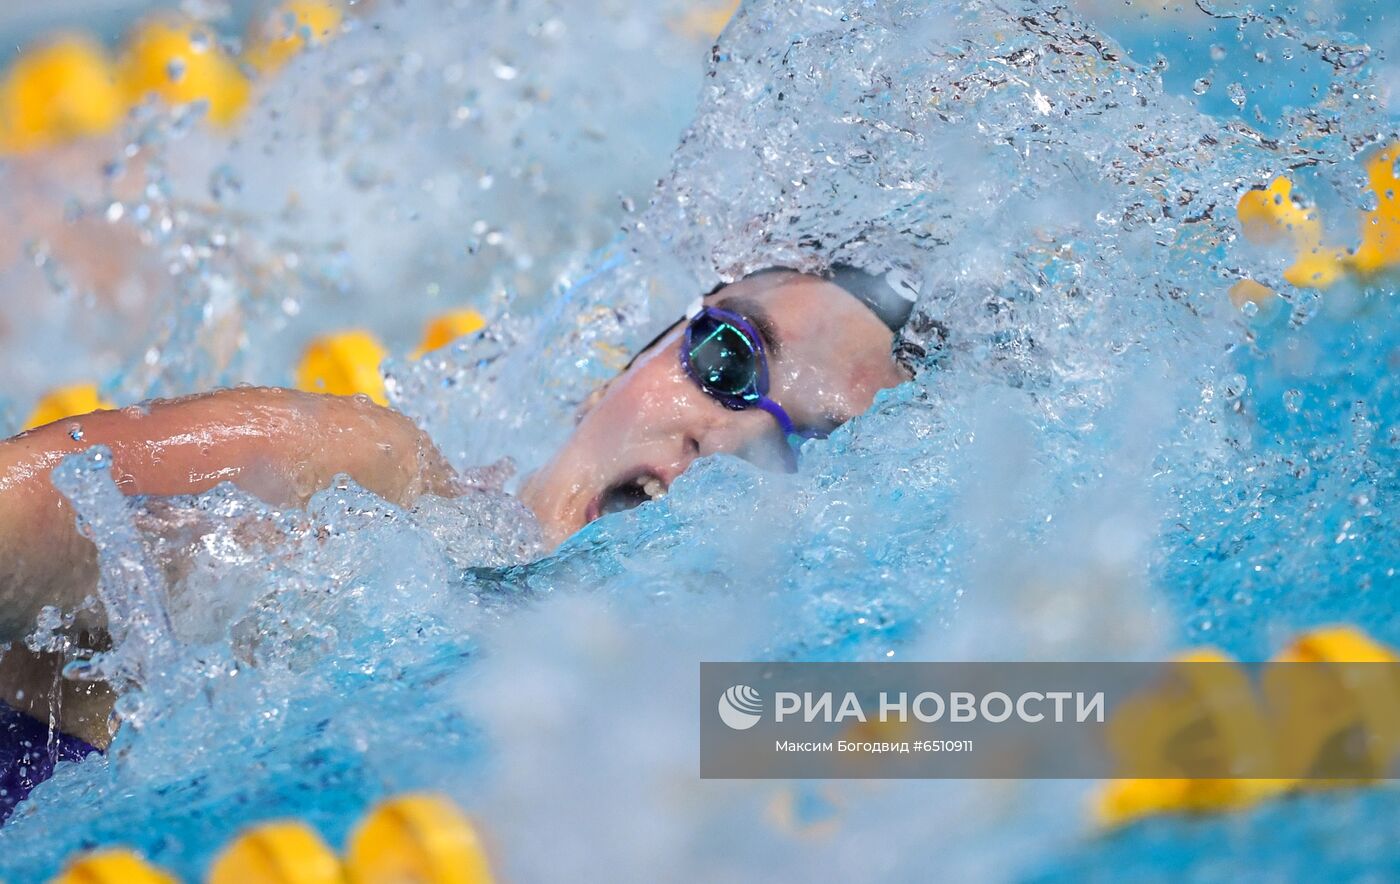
x=723 y=353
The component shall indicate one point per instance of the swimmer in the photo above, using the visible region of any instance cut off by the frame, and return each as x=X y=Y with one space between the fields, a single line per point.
x=754 y=369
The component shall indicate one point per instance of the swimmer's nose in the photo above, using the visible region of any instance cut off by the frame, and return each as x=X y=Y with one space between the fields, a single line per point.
x=750 y=434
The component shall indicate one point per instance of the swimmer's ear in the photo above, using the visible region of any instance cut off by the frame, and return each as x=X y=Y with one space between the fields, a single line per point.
x=592 y=400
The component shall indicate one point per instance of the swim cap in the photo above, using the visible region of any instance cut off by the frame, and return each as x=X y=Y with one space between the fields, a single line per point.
x=890 y=296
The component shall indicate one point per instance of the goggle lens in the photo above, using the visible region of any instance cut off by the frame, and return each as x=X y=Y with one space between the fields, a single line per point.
x=723 y=358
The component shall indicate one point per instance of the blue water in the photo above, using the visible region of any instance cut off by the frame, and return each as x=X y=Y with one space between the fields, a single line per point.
x=1103 y=458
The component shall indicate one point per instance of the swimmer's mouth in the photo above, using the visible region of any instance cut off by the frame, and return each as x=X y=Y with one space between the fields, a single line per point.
x=626 y=494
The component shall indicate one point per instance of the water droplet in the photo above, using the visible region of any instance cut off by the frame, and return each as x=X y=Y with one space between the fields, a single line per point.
x=1201 y=86
x=1237 y=94
x=175 y=69
x=1235 y=385
x=1292 y=400
x=75 y=432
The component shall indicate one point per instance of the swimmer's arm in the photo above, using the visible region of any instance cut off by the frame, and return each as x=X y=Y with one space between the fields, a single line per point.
x=279 y=445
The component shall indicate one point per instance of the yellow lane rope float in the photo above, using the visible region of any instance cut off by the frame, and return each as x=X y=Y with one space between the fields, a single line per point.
x=59 y=90
x=65 y=402
x=1380 y=227
x=1339 y=718
x=116 y=866
x=416 y=839
x=1206 y=695
x=1272 y=215
x=705 y=20
x=443 y=330
x=288 y=852
x=180 y=61
x=275 y=38
x=344 y=364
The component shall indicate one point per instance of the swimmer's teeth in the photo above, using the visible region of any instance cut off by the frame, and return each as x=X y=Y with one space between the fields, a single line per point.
x=654 y=488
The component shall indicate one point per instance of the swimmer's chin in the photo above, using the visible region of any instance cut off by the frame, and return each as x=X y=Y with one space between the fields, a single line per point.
x=559 y=520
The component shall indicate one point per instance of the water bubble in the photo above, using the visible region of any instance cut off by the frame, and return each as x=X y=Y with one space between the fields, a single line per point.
x=175 y=69
x=1292 y=400
x=1237 y=94
x=224 y=183
x=503 y=71
x=1201 y=86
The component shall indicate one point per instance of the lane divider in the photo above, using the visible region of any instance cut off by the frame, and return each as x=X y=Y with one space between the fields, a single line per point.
x=1327 y=727
x=67 y=86
x=343 y=363
x=1210 y=713
x=412 y=839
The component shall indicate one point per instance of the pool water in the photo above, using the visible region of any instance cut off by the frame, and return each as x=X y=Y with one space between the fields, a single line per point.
x=1104 y=456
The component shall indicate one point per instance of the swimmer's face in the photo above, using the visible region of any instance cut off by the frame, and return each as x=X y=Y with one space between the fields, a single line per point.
x=828 y=356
